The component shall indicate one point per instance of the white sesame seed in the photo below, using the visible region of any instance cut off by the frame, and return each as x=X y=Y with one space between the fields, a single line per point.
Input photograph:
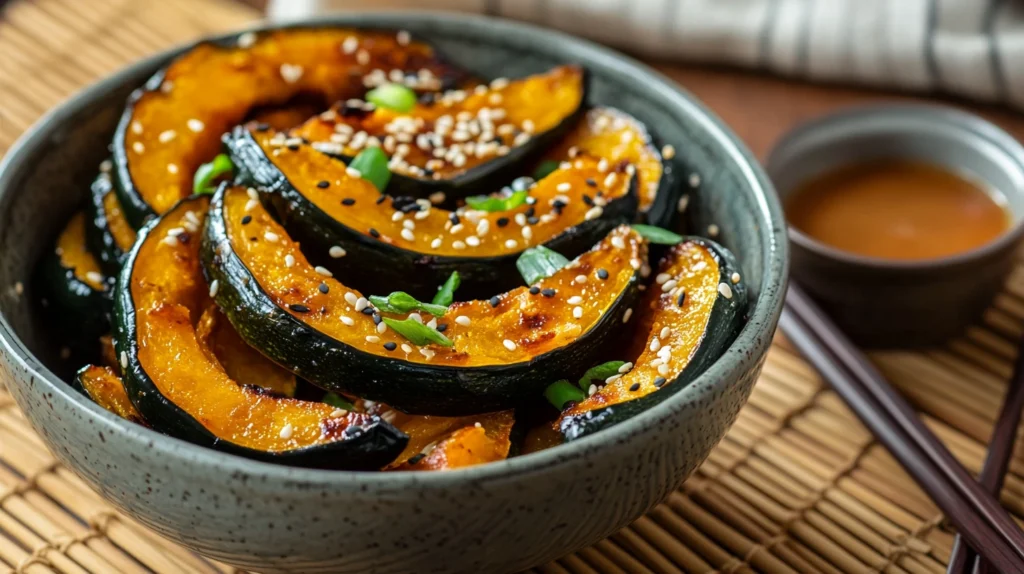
x=289 y=260
x=195 y=125
x=610 y=179
x=694 y=180
x=618 y=242
x=416 y=317
x=668 y=152
x=347 y=320
x=136 y=128
x=351 y=298
x=683 y=202
x=251 y=204
x=409 y=224
x=509 y=344
x=381 y=327
x=353 y=172
x=361 y=303
x=713 y=230
x=336 y=252
x=252 y=193
x=591 y=390
x=435 y=243
x=323 y=271
x=124 y=360
x=663 y=369
x=458 y=244
x=271 y=236
x=602 y=166
x=483 y=227
x=372 y=339
x=735 y=278
x=138 y=147
x=662 y=278
x=427 y=353
x=564 y=186
x=636 y=263
x=350 y=45
x=627 y=315
x=406 y=348
x=575 y=300
x=214 y=287
x=171 y=240
x=403 y=38
x=577 y=312
x=665 y=352
x=246 y=40
x=473 y=241
x=338 y=413
x=286 y=431
x=462 y=320
x=166 y=136
x=625 y=368
x=432 y=323
x=510 y=243
x=593 y=213
x=172 y=168
x=725 y=290
x=94 y=276
x=668 y=285
x=408 y=235
x=665 y=332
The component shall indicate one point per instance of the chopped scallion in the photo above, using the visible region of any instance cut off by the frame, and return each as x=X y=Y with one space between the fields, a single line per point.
x=657 y=234
x=393 y=97
x=417 y=333
x=493 y=203
x=372 y=165
x=402 y=302
x=337 y=401
x=446 y=294
x=206 y=174
x=544 y=169
x=539 y=262
x=560 y=393
x=600 y=372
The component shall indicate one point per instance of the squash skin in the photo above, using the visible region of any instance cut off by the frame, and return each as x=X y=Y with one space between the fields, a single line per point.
x=105 y=388
x=724 y=321
x=249 y=76
x=373 y=445
x=418 y=272
x=108 y=236
x=567 y=83
x=412 y=385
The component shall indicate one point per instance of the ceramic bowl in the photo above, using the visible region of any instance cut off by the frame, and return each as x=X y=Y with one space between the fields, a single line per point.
x=498 y=517
x=887 y=303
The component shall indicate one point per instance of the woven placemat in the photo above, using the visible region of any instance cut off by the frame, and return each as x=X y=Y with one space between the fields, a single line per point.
x=798 y=485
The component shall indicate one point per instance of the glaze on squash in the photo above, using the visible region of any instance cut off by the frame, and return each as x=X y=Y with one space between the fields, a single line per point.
x=182 y=392
x=275 y=300
x=473 y=441
x=174 y=124
x=616 y=136
x=323 y=206
x=460 y=141
x=240 y=362
x=104 y=387
x=108 y=235
x=686 y=320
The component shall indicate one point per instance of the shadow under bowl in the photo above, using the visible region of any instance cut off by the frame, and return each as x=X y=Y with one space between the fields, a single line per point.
x=499 y=517
x=894 y=303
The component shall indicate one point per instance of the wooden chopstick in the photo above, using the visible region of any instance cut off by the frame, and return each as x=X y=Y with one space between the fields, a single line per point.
x=976 y=514
x=964 y=559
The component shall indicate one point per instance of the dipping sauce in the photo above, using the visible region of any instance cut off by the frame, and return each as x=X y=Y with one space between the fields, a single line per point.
x=897 y=209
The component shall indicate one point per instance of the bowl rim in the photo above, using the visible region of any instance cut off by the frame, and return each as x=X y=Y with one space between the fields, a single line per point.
x=723 y=373
x=967 y=125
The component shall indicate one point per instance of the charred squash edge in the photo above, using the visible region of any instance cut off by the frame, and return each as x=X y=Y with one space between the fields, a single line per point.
x=375 y=447
x=408 y=386
x=727 y=317
x=419 y=273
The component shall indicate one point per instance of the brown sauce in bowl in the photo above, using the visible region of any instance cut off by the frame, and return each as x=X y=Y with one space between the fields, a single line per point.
x=898 y=209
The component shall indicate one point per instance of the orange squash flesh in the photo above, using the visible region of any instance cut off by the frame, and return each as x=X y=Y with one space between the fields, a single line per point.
x=108 y=355
x=105 y=388
x=120 y=229
x=582 y=188
x=74 y=256
x=664 y=324
x=474 y=440
x=167 y=289
x=245 y=365
x=616 y=136
x=176 y=126
x=534 y=324
x=496 y=118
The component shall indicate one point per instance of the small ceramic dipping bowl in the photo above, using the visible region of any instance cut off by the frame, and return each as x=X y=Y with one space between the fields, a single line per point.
x=896 y=303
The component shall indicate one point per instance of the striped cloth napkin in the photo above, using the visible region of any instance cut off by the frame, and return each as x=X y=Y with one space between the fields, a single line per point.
x=970 y=48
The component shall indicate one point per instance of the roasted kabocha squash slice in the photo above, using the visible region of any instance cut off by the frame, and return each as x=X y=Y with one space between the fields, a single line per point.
x=109 y=236
x=181 y=391
x=619 y=137
x=175 y=122
x=460 y=141
x=485 y=356
x=331 y=210
x=73 y=288
x=241 y=363
x=687 y=319
x=104 y=387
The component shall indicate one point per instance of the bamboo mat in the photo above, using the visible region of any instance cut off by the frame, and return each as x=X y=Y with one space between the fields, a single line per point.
x=798 y=485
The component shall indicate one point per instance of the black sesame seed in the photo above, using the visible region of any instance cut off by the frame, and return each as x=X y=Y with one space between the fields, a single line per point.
x=548 y=293
x=558 y=204
x=682 y=299
x=374 y=233
x=588 y=200
x=502 y=221
x=454 y=217
x=390 y=345
x=247 y=220
x=591 y=182
x=534 y=290
x=184 y=237
x=324 y=288
x=428 y=172
x=530 y=212
x=293 y=147
x=532 y=220
x=323 y=184
x=377 y=319
x=348 y=201
x=634 y=387
x=442 y=327
x=262 y=127
x=427 y=98
x=368 y=311
x=494 y=301
x=602 y=273
x=659 y=382
x=381 y=199
x=298 y=308
x=417 y=458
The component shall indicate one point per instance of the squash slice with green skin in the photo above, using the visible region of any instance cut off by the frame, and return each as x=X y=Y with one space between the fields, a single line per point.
x=485 y=135
x=504 y=349
x=174 y=123
x=181 y=391
x=324 y=207
x=109 y=236
x=687 y=319
x=104 y=387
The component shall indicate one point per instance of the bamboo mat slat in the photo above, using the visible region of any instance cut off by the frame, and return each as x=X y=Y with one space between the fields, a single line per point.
x=797 y=485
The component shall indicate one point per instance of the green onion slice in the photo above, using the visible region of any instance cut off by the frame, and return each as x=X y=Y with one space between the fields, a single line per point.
x=418 y=333
x=657 y=234
x=446 y=294
x=600 y=372
x=393 y=97
x=544 y=169
x=402 y=302
x=337 y=401
x=372 y=165
x=539 y=262
x=560 y=393
x=491 y=203
x=202 y=181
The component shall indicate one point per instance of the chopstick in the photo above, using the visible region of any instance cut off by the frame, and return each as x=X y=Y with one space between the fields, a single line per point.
x=964 y=559
x=978 y=517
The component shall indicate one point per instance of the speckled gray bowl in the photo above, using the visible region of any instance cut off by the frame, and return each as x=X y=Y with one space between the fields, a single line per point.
x=499 y=517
